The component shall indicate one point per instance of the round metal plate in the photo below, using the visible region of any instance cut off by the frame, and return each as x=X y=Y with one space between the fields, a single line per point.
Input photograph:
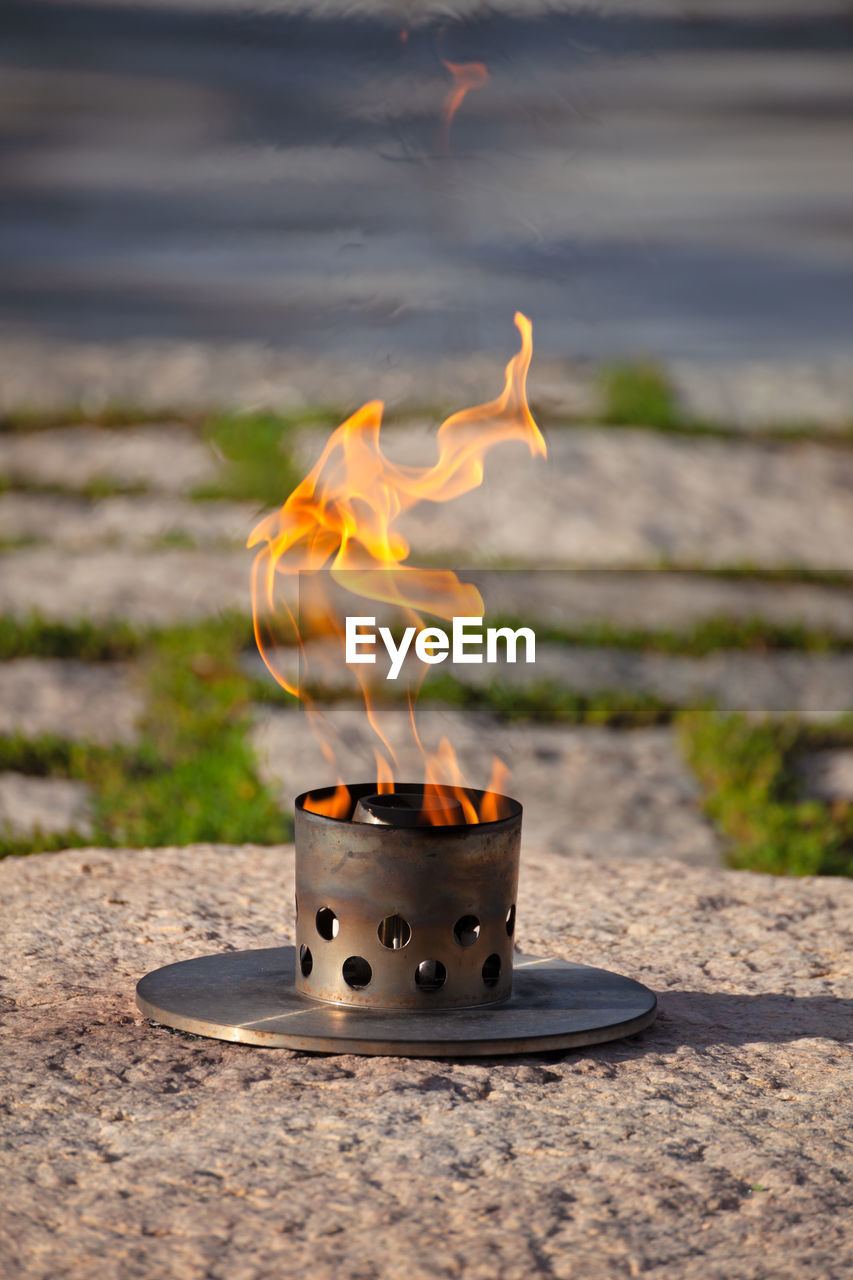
x=249 y=997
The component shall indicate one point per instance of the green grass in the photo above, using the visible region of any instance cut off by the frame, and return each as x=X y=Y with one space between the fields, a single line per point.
x=256 y=449
x=749 y=771
x=38 y=637
x=638 y=395
x=16 y=846
x=713 y=635
x=547 y=702
x=116 y=415
x=98 y=487
x=841 y=578
x=192 y=776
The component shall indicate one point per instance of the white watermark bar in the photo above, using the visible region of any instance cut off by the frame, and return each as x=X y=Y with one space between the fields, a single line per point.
x=469 y=641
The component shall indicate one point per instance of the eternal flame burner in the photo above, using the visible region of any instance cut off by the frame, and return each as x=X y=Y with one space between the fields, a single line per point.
x=404 y=945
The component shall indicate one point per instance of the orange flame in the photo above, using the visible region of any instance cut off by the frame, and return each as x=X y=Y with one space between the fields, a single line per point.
x=337 y=805
x=492 y=807
x=342 y=517
x=466 y=76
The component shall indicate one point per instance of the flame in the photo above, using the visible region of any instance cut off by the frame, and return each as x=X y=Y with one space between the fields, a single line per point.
x=342 y=517
x=337 y=805
x=384 y=775
x=442 y=770
x=493 y=806
x=466 y=76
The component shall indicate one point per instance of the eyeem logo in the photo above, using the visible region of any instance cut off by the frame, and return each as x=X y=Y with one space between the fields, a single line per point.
x=464 y=644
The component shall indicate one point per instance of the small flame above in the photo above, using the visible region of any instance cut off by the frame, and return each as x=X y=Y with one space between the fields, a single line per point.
x=466 y=76
x=342 y=517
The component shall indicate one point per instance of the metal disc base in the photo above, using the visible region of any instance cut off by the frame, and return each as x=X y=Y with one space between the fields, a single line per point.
x=249 y=997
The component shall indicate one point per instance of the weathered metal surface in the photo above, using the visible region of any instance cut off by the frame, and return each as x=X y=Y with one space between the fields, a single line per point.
x=250 y=997
x=415 y=918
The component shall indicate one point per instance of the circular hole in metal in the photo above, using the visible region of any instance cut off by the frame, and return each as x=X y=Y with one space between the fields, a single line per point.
x=466 y=931
x=327 y=923
x=492 y=970
x=306 y=960
x=430 y=975
x=394 y=932
x=357 y=972
x=510 y=920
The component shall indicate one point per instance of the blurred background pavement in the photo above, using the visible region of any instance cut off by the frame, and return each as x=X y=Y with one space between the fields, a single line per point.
x=226 y=226
x=660 y=180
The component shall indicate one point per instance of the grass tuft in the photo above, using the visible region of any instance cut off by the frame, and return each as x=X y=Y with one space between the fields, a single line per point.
x=638 y=395
x=38 y=637
x=548 y=702
x=749 y=771
x=116 y=415
x=192 y=777
x=712 y=635
x=256 y=448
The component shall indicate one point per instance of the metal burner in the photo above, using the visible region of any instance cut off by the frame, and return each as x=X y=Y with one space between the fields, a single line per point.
x=404 y=945
x=405 y=916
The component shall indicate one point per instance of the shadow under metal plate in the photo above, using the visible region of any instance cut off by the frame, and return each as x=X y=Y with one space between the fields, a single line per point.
x=249 y=997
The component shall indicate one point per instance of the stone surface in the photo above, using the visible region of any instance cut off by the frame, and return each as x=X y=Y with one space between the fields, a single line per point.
x=165 y=456
x=629 y=498
x=828 y=775
x=632 y=185
x=140 y=521
x=146 y=587
x=189 y=375
x=47 y=805
x=96 y=702
x=759 y=394
x=714 y=1146
x=166 y=584
x=651 y=599
x=660 y=600
x=628 y=793
x=747 y=395
x=814 y=686
x=416 y=13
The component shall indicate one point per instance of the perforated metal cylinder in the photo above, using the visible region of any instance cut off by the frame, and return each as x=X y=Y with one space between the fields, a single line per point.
x=393 y=917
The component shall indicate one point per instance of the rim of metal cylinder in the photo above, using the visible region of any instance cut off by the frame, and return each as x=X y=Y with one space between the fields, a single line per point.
x=400 y=916
x=416 y=790
x=406 y=809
